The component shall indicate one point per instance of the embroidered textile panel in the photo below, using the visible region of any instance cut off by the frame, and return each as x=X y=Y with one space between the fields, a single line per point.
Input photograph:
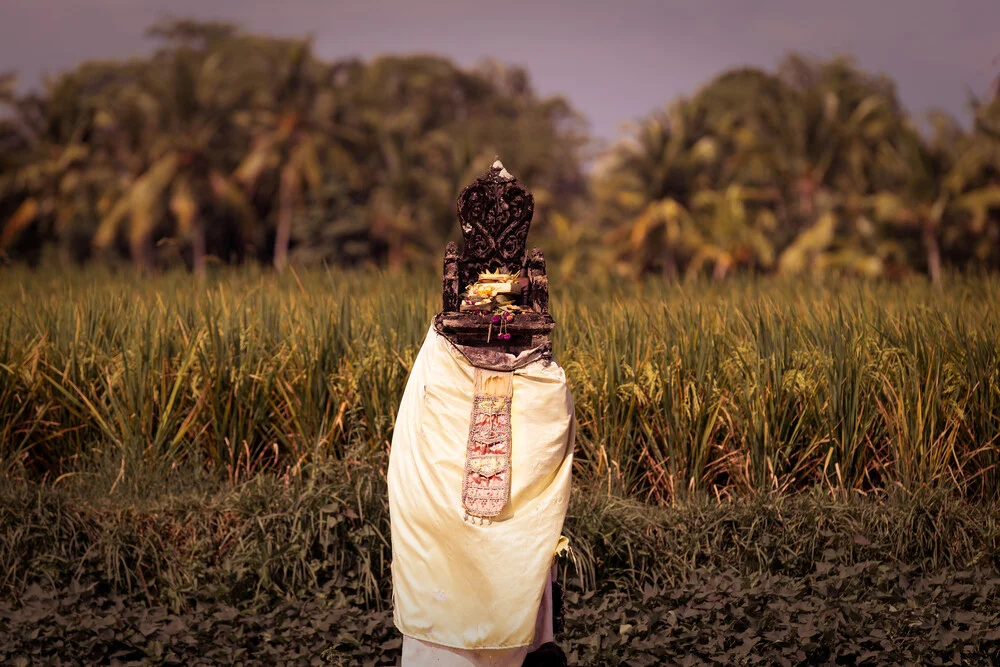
x=486 y=486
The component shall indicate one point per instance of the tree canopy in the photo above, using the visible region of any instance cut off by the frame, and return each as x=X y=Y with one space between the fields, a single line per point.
x=229 y=146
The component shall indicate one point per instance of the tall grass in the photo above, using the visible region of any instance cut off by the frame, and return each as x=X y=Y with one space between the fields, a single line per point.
x=684 y=391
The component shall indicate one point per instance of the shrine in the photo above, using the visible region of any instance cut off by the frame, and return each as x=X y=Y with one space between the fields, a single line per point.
x=481 y=459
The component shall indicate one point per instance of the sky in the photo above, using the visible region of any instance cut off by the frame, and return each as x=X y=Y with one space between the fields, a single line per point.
x=615 y=60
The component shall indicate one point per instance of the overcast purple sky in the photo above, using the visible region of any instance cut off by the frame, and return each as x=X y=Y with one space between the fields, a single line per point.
x=616 y=60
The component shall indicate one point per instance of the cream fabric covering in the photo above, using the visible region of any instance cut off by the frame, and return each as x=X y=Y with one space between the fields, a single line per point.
x=457 y=584
x=424 y=654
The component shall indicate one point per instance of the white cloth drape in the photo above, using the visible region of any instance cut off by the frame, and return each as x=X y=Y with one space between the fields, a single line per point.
x=456 y=584
x=419 y=653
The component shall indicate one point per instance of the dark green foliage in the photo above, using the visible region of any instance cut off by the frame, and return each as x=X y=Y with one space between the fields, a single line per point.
x=233 y=145
x=871 y=613
x=868 y=614
x=84 y=626
x=266 y=574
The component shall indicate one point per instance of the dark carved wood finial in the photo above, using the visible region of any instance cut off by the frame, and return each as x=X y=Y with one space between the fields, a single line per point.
x=495 y=214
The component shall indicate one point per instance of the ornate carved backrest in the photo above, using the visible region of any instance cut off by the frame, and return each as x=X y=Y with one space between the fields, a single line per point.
x=495 y=214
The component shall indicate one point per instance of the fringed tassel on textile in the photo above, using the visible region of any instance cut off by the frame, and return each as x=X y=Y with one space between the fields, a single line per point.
x=477 y=520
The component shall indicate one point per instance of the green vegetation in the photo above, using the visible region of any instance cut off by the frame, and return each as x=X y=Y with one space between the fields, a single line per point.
x=680 y=391
x=240 y=146
x=779 y=581
x=227 y=146
x=814 y=168
x=749 y=449
x=791 y=468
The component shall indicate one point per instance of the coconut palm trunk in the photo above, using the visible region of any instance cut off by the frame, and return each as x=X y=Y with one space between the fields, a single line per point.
x=198 y=245
x=286 y=205
x=670 y=271
x=142 y=255
x=721 y=269
x=933 y=250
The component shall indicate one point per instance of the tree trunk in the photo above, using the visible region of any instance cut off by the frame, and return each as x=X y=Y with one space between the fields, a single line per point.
x=806 y=191
x=142 y=254
x=669 y=267
x=933 y=250
x=396 y=256
x=721 y=269
x=281 y=240
x=198 y=246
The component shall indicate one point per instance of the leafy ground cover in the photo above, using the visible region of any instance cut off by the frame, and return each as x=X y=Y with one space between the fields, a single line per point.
x=870 y=613
x=269 y=574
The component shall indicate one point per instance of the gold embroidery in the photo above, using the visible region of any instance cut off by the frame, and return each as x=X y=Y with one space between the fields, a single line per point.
x=486 y=486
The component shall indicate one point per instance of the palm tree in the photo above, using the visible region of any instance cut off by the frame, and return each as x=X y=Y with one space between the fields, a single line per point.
x=383 y=146
x=916 y=197
x=945 y=188
x=657 y=238
x=731 y=231
x=186 y=119
x=51 y=165
x=290 y=136
x=646 y=181
x=752 y=163
x=407 y=195
x=839 y=125
x=974 y=180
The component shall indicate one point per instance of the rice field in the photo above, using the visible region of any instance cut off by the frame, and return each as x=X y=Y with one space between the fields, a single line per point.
x=224 y=444
x=699 y=389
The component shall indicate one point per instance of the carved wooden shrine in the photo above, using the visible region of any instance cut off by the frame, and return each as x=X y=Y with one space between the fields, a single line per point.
x=495 y=214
